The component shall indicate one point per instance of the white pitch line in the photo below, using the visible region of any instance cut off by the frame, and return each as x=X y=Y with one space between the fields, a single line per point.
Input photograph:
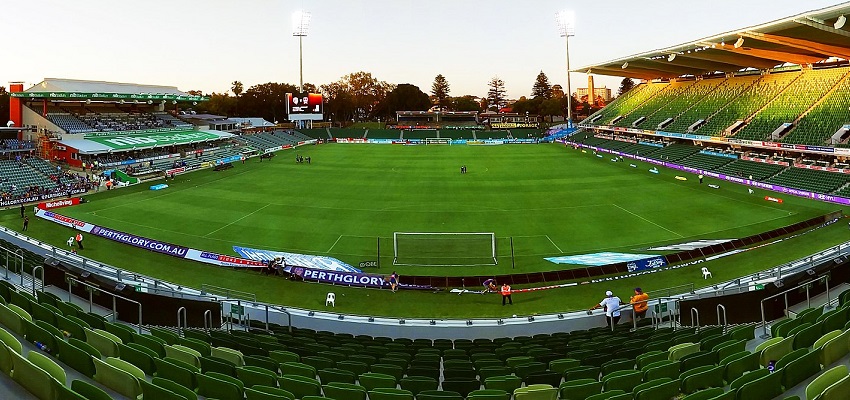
x=653 y=223
x=553 y=244
x=246 y=216
x=334 y=245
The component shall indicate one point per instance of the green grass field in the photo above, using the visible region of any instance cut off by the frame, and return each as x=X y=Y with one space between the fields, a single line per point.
x=549 y=199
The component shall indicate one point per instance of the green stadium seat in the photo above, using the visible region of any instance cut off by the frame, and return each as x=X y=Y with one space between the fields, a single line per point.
x=220 y=386
x=416 y=384
x=763 y=388
x=374 y=380
x=399 y=394
x=251 y=376
x=89 y=391
x=661 y=369
x=623 y=380
x=579 y=389
x=119 y=376
x=796 y=369
x=536 y=392
x=300 y=386
x=181 y=374
x=344 y=391
x=704 y=377
x=260 y=392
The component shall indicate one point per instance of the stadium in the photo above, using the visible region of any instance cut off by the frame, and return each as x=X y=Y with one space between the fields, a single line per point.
x=155 y=249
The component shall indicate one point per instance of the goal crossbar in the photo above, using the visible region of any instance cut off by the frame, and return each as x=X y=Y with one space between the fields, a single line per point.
x=444 y=248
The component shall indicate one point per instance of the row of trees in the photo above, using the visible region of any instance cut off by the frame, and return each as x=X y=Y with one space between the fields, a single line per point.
x=361 y=96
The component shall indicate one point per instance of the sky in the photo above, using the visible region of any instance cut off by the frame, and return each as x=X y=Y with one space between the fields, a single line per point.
x=207 y=44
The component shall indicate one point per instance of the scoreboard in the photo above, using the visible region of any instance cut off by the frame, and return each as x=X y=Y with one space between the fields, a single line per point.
x=305 y=106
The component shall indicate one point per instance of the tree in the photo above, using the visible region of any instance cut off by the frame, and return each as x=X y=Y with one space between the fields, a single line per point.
x=236 y=87
x=466 y=103
x=363 y=92
x=496 y=94
x=406 y=97
x=541 y=87
x=625 y=85
x=440 y=89
x=266 y=100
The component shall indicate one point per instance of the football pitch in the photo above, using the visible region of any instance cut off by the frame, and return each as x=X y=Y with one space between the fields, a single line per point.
x=538 y=200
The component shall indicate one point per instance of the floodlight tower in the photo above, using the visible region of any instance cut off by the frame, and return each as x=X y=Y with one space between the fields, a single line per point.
x=566 y=28
x=300 y=25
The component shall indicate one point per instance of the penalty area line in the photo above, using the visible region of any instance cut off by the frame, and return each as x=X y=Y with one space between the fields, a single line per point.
x=553 y=244
x=246 y=216
x=653 y=223
x=334 y=245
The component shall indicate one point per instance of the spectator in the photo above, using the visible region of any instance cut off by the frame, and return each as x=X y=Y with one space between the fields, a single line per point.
x=611 y=305
x=640 y=303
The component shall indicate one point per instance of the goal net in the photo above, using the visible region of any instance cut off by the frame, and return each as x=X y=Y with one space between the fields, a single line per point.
x=438 y=140
x=444 y=249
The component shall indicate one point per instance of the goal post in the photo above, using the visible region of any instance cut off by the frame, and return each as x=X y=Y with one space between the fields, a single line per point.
x=446 y=249
x=438 y=141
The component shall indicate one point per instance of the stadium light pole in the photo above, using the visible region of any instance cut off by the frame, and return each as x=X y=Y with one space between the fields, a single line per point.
x=566 y=28
x=300 y=25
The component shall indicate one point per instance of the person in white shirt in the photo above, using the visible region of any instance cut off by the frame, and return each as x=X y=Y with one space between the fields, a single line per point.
x=611 y=305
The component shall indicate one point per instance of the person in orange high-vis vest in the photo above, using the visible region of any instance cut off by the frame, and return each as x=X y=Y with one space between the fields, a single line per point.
x=640 y=303
x=506 y=294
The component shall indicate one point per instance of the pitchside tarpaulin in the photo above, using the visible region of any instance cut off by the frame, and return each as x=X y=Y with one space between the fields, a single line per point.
x=597 y=259
x=349 y=278
x=304 y=260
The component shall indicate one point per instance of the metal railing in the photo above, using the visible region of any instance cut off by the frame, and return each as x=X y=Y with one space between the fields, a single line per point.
x=228 y=293
x=92 y=288
x=34 y=269
x=695 y=317
x=784 y=293
x=181 y=312
x=721 y=311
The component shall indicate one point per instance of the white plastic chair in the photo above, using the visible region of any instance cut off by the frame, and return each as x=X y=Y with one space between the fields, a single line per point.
x=331 y=299
x=705 y=273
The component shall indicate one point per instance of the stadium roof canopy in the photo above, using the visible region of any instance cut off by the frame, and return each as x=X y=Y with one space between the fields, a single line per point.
x=808 y=38
x=64 y=89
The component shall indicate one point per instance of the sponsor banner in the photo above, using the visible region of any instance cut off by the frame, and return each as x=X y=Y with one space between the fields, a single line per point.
x=819 y=168
x=821 y=149
x=150 y=244
x=761 y=160
x=273 y=149
x=107 y=96
x=306 y=260
x=488 y=142
x=519 y=141
x=646 y=263
x=141 y=242
x=227 y=160
x=718 y=154
x=349 y=278
x=151 y=139
x=222 y=260
x=41 y=197
x=176 y=171
x=653 y=144
x=49 y=205
x=510 y=125
x=776 y=188
x=350 y=140
x=63 y=220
